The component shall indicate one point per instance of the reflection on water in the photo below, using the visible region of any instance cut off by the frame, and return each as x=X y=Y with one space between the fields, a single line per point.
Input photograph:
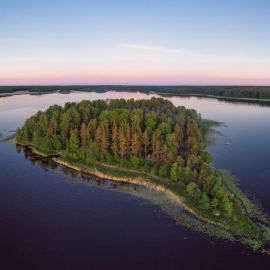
x=75 y=176
x=158 y=198
x=246 y=126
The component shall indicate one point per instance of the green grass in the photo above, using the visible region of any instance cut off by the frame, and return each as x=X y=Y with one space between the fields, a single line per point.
x=250 y=207
x=241 y=225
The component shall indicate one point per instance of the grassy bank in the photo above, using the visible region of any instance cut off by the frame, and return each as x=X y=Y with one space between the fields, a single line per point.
x=241 y=226
x=150 y=143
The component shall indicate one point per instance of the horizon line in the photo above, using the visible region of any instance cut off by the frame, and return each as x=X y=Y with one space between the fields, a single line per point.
x=137 y=85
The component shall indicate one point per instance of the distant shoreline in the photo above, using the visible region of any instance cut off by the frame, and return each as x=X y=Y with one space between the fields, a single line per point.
x=7 y=94
x=163 y=94
x=243 y=99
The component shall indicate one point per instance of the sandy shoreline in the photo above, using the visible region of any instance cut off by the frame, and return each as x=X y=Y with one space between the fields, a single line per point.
x=178 y=200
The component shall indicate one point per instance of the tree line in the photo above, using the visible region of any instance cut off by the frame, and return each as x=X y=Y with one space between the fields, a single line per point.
x=256 y=92
x=152 y=136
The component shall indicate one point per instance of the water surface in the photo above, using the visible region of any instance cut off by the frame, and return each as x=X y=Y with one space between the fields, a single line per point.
x=54 y=219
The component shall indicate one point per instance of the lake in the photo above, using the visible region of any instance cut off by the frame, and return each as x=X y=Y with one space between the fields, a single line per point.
x=52 y=218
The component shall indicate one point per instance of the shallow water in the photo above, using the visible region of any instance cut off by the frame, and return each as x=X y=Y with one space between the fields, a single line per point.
x=53 y=220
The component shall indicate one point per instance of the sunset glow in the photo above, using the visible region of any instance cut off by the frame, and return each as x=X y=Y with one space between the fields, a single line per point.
x=158 y=42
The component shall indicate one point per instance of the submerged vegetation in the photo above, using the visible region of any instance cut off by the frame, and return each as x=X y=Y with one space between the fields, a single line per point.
x=151 y=140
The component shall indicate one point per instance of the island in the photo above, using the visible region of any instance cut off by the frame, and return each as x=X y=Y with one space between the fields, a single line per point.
x=151 y=143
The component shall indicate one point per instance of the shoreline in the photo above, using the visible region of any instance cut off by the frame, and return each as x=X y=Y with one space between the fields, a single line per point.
x=139 y=181
x=255 y=241
x=17 y=93
x=162 y=94
x=225 y=98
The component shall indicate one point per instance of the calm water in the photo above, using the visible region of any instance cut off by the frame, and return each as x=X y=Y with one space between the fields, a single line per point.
x=54 y=219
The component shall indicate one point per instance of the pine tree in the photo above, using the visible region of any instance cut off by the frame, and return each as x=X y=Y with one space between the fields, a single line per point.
x=52 y=127
x=135 y=144
x=122 y=141
x=145 y=142
x=178 y=131
x=128 y=138
x=104 y=137
x=204 y=202
x=114 y=138
x=156 y=148
x=92 y=128
x=174 y=172
x=84 y=133
x=73 y=142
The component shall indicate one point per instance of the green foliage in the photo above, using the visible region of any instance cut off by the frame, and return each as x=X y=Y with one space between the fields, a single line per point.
x=108 y=158
x=154 y=170
x=193 y=191
x=18 y=135
x=204 y=202
x=164 y=128
x=152 y=136
x=46 y=146
x=184 y=174
x=73 y=142
x=134 y=161
x=227 y=205
x=163 y=171
x=151 y=120
x=56 y=143
x=144 y=135
x=174 y=172
x=215 y=202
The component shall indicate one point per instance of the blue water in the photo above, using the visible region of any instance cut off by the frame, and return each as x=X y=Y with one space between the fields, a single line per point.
x=51 y=218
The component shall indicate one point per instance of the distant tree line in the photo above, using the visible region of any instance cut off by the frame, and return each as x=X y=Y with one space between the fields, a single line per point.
x=152 y=136
x=256 y=92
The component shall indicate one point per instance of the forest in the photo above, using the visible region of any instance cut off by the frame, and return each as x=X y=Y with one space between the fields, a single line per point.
x=151 y=136
x=252 y=92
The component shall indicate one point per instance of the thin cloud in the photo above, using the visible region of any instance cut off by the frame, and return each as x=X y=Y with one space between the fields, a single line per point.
x=142 y=47
x=160 y=49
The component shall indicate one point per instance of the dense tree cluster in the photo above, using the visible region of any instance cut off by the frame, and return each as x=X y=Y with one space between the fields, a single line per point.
x=152 y=136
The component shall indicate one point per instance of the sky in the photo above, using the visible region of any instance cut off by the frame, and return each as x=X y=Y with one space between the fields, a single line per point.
x=140 y=42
